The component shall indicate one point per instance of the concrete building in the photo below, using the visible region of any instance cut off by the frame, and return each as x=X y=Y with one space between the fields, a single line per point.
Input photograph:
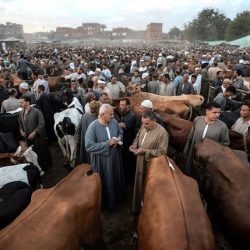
x=11 y=30
x=87 y=30
x=154 y=31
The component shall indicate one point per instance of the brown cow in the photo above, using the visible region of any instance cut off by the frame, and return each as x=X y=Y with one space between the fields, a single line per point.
x=178 y=130
x=238 y=142
x=15 y=80
x=170 y=107
x=192 y=100
x=172 y=216
x=228 y=190
x=66 y=216
x=53 y=82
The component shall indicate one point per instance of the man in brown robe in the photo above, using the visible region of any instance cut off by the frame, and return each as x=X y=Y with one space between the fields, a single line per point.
x=151 y=141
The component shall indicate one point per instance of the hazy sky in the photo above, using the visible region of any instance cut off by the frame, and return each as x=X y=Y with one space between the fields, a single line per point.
x=44 y=15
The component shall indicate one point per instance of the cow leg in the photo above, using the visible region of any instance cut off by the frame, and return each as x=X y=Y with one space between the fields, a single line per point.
x=72 y=140
x=61 y=144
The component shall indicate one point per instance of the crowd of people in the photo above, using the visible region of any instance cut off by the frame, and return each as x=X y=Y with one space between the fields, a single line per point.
x=115 y=142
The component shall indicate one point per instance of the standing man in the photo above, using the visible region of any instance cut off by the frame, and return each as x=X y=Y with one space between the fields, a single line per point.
x=151 y=141
x=204 y=82
x=44 y=105
x=86 y=119
x=32 y=128
x=22 y=68
x=102 y=140
x=166 y=88
x=243 y=123
x=126 y=120
x=24 y=90
x=115 y=88
x=208 y=126
x=12 y=103
x=185 y=87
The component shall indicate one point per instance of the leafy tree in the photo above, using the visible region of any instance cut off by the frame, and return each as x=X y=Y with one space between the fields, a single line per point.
x=174 y=33
x=210 y=24
x=239 y=27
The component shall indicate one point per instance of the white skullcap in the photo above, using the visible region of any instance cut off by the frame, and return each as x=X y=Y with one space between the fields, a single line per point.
x=91 y=73
x=147 y=104
x=144 y=75
x=24 y=85
x=241 y=61
x=133 y=63
x=72 y=65
x=100 y=81
x=204 y=62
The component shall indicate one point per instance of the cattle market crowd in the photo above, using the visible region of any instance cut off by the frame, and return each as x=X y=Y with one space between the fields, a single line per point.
x=120 y=109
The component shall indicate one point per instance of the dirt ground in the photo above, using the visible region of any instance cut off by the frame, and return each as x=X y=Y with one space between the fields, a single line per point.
x=119 y=226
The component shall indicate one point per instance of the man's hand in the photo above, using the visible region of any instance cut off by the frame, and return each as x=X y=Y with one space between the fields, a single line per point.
x=122 y=125
x=132 y=148
x=22 y=133
x=139 y=151
x=32 y=135
x=112 y=141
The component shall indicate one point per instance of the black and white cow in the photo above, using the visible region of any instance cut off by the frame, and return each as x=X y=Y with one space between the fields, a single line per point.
x=14 y=198
x=26 y=172
x=66 y=126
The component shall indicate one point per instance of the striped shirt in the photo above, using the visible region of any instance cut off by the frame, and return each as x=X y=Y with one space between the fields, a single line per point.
x=241 y=126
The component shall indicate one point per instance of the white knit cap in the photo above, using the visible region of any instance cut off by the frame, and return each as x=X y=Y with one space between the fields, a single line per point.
x=144 y=75
x=147 y=104
x=91 y=73
x=24 y=85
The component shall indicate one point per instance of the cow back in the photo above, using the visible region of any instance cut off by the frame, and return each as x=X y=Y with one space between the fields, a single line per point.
x=63 y=217
x=178 y=130
x=228 y=190
x=9 y=123
x=171 y=206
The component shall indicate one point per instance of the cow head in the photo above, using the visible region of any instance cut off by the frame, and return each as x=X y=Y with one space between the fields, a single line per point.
x=133 y=89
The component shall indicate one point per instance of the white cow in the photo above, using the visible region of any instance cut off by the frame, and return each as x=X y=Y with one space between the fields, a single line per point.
x=29 y=155
x=66 y=126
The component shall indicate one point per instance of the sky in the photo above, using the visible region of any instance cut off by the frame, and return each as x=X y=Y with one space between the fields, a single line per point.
x=46 y=15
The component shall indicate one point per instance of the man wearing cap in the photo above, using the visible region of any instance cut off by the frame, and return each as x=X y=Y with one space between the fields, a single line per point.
x=103 y=88
x=24 y=90
x=12 y=103
x=86 y=119
x=151 y=141
x=145 y=106
x=144 y=82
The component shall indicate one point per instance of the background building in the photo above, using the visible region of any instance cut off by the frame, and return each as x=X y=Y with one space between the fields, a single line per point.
x=154 y=31
x=11 y=30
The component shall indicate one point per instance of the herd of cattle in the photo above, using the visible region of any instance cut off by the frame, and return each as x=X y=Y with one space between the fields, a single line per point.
x=67 y=216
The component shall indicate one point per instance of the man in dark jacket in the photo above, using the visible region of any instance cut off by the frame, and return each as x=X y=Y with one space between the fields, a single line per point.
x=126 y=119
x=185 y=87
x=22 y=68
